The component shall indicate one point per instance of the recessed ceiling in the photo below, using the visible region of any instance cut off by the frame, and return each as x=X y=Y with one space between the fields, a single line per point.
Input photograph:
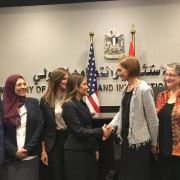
x=11 y=3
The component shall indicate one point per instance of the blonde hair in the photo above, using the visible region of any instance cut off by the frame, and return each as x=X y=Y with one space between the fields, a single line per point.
x=175 y=66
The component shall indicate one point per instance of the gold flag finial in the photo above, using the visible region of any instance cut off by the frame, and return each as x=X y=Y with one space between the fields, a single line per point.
x=91 y=34
x=133 y=35
x=133 y=29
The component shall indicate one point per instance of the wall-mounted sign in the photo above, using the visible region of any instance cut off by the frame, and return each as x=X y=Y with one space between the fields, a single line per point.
x=102 y=71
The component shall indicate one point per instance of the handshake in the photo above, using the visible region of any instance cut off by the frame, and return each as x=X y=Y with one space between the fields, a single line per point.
x=107 y=130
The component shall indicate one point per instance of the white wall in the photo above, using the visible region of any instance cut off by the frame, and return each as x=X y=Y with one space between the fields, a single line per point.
x=36 y=37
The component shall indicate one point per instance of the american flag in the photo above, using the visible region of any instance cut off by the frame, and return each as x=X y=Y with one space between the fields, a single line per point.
x=92 y=98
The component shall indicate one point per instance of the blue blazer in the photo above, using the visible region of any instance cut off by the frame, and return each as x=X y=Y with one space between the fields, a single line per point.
x=1 y=135
x=34 y=128
x=80 y=134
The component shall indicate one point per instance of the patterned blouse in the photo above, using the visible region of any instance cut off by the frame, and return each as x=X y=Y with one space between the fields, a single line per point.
x=175 y=116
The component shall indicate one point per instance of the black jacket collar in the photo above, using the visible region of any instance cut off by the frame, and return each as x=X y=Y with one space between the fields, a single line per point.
x=82 y=105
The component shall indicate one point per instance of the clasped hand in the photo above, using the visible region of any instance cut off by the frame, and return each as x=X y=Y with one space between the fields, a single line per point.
x=107 y=129
x=21 y=153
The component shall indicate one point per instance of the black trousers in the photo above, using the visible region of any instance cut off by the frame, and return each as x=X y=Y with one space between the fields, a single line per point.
x=21 y=170
x=56 y=157
x=80 y=165
x=134 y=162
x=0 y=171
x=169 y=167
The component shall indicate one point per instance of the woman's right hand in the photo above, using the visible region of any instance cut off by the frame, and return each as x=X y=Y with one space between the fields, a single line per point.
x=106 y=131
x=44 y=158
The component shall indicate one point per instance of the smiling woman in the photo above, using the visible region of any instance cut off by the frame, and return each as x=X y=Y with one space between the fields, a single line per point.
x=55 y=130
x=22 y=129
x=20 y=88
x=136 y=121
x=80 y=148
x=168 y=109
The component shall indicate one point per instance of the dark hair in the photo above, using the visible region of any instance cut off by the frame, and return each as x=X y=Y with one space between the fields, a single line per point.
x=73 y=82
x=54 y=80
x=131 y=64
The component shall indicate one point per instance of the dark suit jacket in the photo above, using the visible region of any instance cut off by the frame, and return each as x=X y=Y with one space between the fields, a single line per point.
x=78 y=120
x=34 y=127
x=1 y=135
x=49 y=130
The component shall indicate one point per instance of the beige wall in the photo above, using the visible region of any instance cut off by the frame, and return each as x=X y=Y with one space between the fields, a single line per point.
x=36 y=37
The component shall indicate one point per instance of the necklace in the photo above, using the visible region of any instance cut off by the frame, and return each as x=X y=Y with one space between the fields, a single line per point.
x=172 y=97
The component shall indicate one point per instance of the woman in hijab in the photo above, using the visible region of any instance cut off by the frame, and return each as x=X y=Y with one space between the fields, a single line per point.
x=22 y=129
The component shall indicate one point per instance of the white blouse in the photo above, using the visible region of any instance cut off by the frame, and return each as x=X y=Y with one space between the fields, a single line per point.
x=60 y=124
x=21 y=130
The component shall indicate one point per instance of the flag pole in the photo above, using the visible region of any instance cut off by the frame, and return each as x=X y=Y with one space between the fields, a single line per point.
x=92 y=95
x=133 y=36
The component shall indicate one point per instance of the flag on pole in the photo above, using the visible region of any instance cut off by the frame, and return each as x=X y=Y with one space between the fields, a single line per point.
x=131 y=49
x=92 y=98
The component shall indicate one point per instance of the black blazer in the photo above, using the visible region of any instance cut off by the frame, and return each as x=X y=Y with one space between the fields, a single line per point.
x=1 y=135
x=78 y=119
x=49 y=130
x=34 y=127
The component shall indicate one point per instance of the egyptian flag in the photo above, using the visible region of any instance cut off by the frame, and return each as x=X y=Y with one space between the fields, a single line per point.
x=131 y=49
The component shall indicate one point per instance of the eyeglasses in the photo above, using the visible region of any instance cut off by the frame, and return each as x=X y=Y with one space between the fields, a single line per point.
x=170 y=75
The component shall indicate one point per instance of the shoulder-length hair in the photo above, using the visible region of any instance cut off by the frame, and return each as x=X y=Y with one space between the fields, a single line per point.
x=55 y=79
x=74 y=81
x=131 y=64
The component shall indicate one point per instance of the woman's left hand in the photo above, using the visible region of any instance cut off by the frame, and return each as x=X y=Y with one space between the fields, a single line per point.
x=155 y=151
x=97 y=155
x=44 y=158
